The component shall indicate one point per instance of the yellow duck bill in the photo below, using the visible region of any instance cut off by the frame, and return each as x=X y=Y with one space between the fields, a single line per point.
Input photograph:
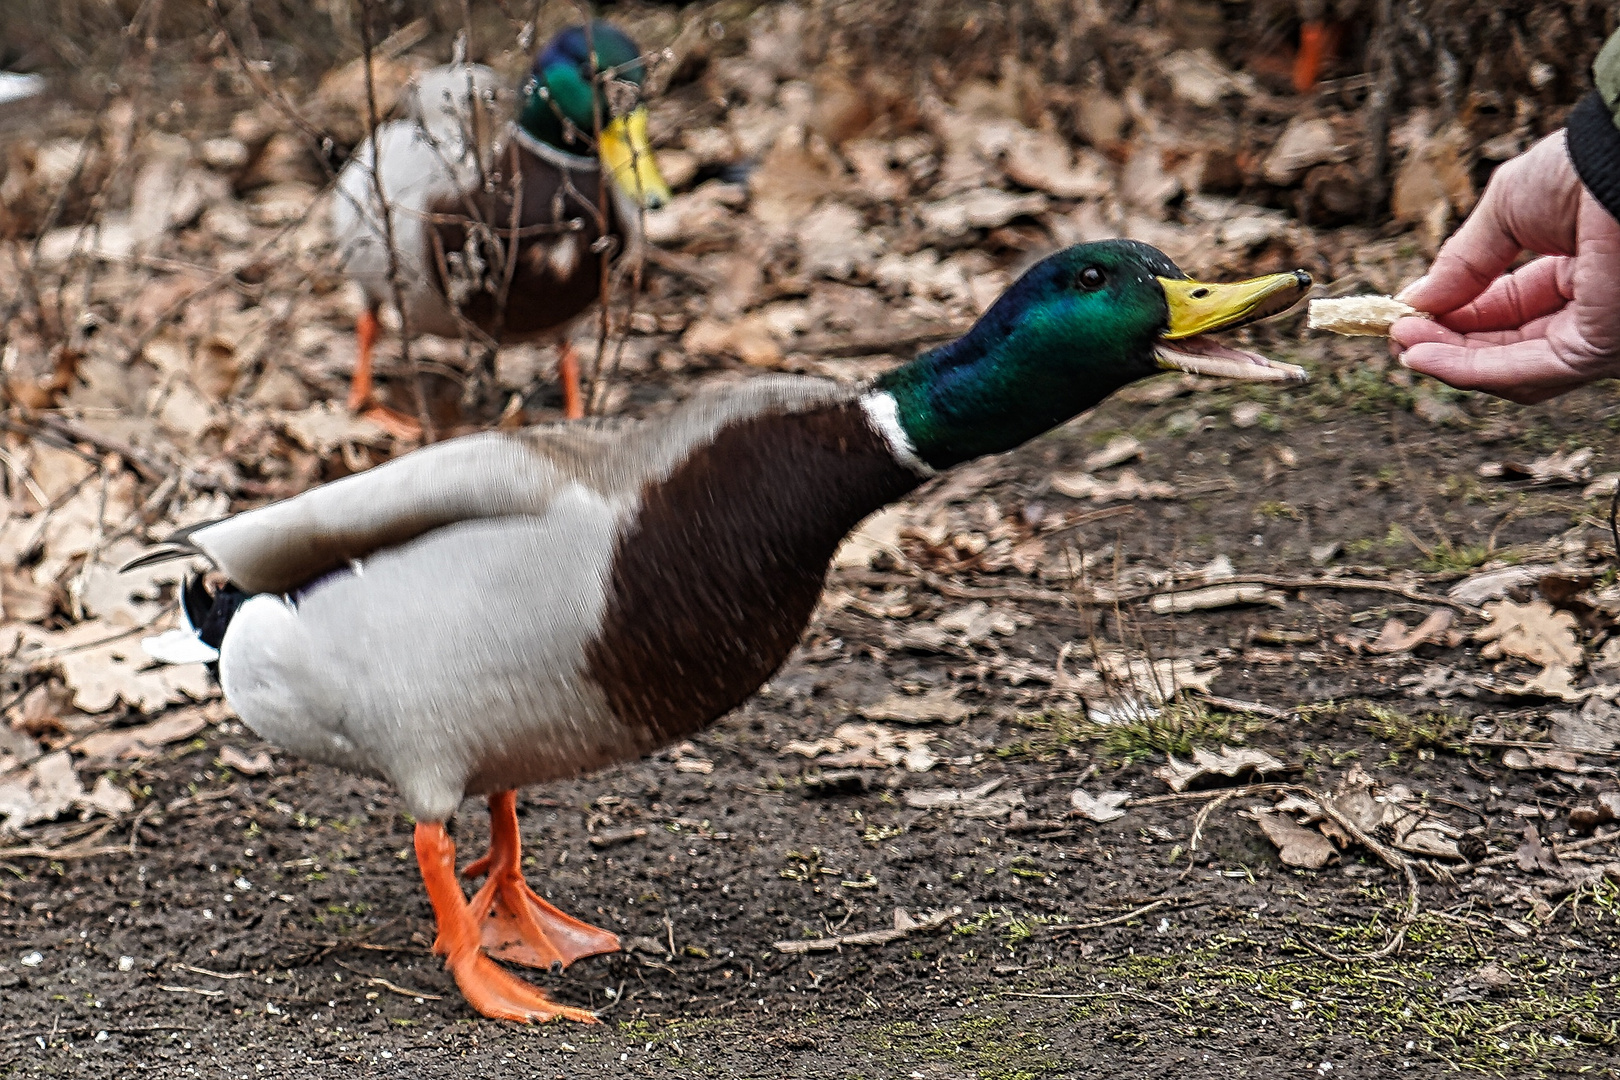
x=628 y=157
x=1198 y=308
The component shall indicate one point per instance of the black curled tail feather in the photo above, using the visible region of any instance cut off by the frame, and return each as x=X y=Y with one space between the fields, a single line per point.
x=210 y=613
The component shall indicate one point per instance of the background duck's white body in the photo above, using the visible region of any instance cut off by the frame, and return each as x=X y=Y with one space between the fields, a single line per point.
x=427 y=159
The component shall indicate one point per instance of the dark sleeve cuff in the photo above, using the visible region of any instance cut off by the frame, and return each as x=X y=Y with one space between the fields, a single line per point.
x=1594 y=148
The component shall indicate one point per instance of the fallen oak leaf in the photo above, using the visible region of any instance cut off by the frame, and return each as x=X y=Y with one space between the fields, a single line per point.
x=982 y=801
x=1296 y=845
x=1532 y=854
x=232 y=758
x=1556 y=760
x=1102 y=807
x=119 y=744
x=1396 y=637
x=41 y=792
x=1532 y=631
x=103 y=664
x=1206 y=765
x=934 y=707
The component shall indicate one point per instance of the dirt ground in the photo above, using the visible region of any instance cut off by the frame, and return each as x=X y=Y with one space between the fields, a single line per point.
x=227 y=914
x=256 y=925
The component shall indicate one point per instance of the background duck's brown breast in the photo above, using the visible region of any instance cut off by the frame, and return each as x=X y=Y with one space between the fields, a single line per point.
x=711 y=588
x=556 y=274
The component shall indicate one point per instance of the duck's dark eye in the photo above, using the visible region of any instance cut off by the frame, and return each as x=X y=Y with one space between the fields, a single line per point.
x=1090 y=279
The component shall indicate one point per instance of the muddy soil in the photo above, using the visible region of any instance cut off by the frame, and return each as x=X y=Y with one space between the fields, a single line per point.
x=275 y=925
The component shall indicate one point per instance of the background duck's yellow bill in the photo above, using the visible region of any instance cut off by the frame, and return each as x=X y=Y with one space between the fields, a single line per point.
x=1197 y=307
x=628 y=156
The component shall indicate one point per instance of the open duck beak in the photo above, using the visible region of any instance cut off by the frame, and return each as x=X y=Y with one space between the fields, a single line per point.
x=1198 y=308
x=628 y=156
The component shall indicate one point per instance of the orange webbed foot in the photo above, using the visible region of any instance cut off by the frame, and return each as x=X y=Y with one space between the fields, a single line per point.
x=515 y=922
x=488 y=988
x=500 y=995
x=520 y=926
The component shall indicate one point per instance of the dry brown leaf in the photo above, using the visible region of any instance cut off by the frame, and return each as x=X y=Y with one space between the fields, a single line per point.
x=41 y=792
x=328 y=426
x=986 y=208
x=1398 y=637
x=1595 y=727
x=871 y=746
x=257 y=765
x=1556 y=760
x=1574 y=467
x=878 y=535
x=1533 y=855
x=982 y=801
x=1120 y=449
x=1103 y=807
x=103 y=664
x=1532 y=631
x=1156 y=681
x=107 y=798
x=1604 y=809
x=1493 y=584
x=934 y=707
x=118 y=744
x=1215 y=596
x=1296 y=845
x=1228 y=763
x=1552 y=681
x=1126 y=486
x=1041 y=160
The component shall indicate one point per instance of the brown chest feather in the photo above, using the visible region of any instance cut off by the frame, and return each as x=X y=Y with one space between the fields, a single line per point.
x=523 y=258
x=712 y=587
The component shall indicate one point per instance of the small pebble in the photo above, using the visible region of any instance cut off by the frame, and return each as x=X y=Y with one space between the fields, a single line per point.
x=126 y=963
x=33 y=959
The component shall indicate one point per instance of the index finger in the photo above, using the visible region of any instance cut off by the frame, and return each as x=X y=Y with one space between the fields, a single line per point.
x=1530 y=203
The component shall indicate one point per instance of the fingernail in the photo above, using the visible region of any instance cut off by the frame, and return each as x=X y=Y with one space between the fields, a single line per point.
x=1416 y=285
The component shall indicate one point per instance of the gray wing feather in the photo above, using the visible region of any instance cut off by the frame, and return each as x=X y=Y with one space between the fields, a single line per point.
x=284 y=546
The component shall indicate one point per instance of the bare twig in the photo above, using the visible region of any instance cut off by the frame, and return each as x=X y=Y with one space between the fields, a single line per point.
x=1352 y=584
x=1098 y=924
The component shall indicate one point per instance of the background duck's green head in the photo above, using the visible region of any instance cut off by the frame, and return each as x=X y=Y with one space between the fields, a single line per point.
x=561 y=107
x=1077 y=326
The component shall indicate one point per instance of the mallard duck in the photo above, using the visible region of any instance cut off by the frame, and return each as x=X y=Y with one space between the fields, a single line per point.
x=509 y=608
x=453 y=218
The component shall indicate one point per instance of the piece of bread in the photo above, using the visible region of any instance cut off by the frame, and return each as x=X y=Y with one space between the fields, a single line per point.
x=1363 y=316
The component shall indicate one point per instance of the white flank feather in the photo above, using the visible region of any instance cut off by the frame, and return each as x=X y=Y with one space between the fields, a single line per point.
x=179 y=646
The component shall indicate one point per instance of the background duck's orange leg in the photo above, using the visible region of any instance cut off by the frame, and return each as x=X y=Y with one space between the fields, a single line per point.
x=1317 y=42
x=517 y=924
x=488 y=988
x=362 y=391
x=568 y=375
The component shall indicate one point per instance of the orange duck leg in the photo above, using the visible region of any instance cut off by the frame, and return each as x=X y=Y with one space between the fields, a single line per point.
x=362 y=397
x=517 y=924
x=568 y=375
x=1318 y=43
x=490 y=989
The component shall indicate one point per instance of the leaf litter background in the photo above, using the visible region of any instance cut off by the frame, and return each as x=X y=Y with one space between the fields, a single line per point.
x=1223 y=729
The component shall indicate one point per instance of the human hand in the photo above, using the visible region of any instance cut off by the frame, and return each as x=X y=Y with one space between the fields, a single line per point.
x=1544 y=329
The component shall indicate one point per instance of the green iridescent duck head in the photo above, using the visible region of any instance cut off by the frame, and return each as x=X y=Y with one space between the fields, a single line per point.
x=1074 y=328
x=571 y=93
